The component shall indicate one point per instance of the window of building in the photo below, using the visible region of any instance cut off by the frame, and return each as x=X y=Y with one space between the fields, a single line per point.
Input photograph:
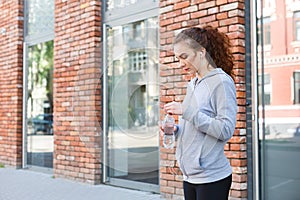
x=267 y=87
x=137 y=61
x=296 y=77
x=264 y=31
x=296 y=19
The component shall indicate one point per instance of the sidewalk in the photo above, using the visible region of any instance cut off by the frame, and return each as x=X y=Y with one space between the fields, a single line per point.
x=30 y=185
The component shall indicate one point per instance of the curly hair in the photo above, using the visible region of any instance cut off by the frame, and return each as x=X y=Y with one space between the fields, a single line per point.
x=217 y=45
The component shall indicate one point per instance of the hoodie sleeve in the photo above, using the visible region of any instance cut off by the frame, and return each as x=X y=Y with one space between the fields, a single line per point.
x=224 y=106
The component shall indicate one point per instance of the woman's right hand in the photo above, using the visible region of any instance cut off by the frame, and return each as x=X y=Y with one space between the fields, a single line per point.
x=173 y=108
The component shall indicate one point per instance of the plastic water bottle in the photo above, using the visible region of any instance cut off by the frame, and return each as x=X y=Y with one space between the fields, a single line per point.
x=169 y=137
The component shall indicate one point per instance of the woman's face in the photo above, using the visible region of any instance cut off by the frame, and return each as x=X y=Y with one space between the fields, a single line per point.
x=189 y=59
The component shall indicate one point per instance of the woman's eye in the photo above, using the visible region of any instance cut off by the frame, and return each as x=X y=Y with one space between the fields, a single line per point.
x=183 y=56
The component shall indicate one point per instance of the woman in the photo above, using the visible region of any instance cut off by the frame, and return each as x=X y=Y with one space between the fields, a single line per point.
x=208 y=113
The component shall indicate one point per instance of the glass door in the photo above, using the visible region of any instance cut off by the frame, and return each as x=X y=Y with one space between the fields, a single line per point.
x=37 y=84
x=278 y=97
x=133 y=105
x=40 y=105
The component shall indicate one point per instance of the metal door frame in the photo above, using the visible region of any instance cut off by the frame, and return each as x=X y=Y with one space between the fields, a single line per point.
x=112 y=19
x=28 y=42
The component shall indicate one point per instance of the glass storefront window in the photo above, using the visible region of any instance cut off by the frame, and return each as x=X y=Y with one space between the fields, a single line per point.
x=38 y=99
x=278 y=99
x=40 y=105
x=133 y=101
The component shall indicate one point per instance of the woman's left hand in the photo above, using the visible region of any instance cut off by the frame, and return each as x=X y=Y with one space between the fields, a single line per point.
x=173 y=108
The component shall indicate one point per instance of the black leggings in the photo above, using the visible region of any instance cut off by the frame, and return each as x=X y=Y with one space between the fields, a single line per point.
x=218 y=190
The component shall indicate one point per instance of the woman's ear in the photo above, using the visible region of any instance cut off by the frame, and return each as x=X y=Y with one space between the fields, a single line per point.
x=202 y=52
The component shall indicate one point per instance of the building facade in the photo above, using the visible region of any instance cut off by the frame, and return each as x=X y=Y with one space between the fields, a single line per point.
x=83 y=83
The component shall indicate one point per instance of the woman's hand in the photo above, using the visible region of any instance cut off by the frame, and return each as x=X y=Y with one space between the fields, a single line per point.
x=173 y=108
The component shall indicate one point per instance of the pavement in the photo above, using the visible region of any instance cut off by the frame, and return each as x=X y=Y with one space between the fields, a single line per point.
x=22 y=184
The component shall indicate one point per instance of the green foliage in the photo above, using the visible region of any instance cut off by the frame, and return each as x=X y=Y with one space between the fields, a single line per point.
x=2 y=165
x=40 y=68
x=41 y=61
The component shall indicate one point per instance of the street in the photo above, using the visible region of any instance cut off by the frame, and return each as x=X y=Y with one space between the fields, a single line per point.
x=282 y=171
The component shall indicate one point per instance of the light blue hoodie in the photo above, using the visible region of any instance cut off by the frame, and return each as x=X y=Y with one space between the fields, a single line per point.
x=208 y=122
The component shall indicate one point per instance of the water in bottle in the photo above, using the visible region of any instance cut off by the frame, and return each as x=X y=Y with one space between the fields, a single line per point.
x=169 y=137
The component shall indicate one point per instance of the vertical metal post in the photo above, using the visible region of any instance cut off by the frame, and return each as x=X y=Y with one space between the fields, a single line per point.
x=255 y=128
x=104 y=103
x=24 y=107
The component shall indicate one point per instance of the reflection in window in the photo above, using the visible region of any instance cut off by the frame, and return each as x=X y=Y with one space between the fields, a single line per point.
x=266 y=83
x=40 y=105
x=133 y=106
x=296 y=87
x=137 y=61
x=112 y=4
x=40 y=72
x=40 y=20
x=297 y=25
x=139 y=30
x=265 y=31
x=134 y=32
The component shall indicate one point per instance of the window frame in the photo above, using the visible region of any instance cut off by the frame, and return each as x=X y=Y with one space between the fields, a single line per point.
x=296 y=95
x=267 y=88
x=266 y=28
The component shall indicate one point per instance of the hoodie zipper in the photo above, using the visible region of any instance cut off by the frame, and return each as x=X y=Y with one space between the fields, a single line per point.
x=181 y=138
x=181 y=148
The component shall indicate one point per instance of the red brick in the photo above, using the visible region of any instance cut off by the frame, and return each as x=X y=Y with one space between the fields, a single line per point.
x=206 y=5
x=236 y=154
x=175 y=184
x=238 y=194
x=182 y=18
x=220 y=2
x=239 y=178
x=232 y=20
x=166 y=22
x=238 y=162
x=198 y=14
x=80 y=58
x=223 y=15
x=165 y=189
x=168 y=177
x=181 y=5
x=207 y=19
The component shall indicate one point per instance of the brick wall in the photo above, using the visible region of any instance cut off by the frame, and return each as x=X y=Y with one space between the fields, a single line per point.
x=11 y=62
x=77 y=98
x=228 y=16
